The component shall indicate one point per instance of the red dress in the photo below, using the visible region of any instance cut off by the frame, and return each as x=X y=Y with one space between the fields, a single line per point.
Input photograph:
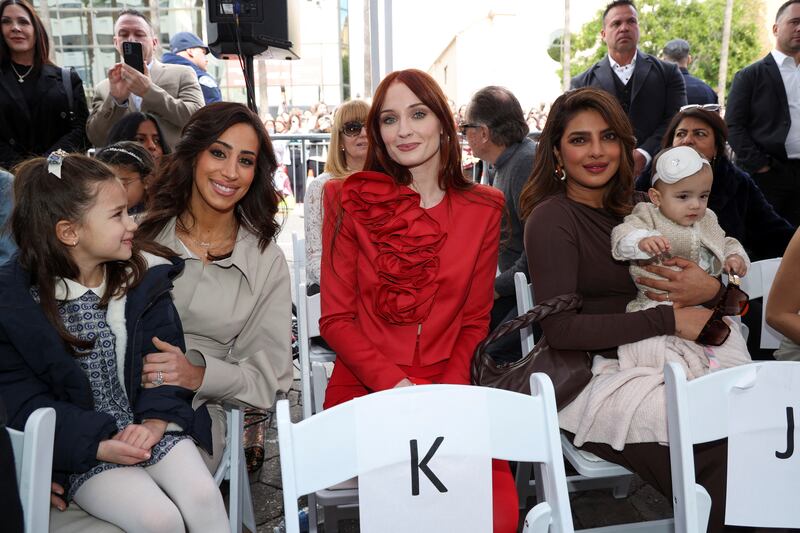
x=407 y=292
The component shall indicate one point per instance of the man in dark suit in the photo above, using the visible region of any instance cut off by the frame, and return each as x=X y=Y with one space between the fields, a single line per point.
x=650 y=91
x=763 y=116
x=697 y=91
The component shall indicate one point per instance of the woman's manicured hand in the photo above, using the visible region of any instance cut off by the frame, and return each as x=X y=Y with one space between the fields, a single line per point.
x=175 y=368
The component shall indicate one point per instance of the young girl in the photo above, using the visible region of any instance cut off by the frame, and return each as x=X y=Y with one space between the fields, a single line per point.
x=134 y=166
x=79 y=307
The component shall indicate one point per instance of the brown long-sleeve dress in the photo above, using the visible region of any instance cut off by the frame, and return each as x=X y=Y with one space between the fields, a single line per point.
x=568 y=245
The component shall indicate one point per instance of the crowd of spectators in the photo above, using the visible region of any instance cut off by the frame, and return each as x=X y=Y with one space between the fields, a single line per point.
x=316 y=119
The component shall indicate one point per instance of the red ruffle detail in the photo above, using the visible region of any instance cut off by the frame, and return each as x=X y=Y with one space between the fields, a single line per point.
x=408 y=240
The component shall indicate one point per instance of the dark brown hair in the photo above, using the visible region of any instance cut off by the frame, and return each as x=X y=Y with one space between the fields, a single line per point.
x=41 y=54
x=711 y=118
x=618 y=3
x=172 y=189
x=783 y=8
x=128 y=154
x=41 y=200
x=127 y=128
x=428 y=91
x=544 y=181
x=134 y=13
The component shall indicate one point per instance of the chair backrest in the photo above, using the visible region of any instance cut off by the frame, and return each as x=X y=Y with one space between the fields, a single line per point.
x=757 y=284
x=33 y=459
x=518 y=427
x=298 y=262
x=308 y=315
x=698 y=411
x=524 y=304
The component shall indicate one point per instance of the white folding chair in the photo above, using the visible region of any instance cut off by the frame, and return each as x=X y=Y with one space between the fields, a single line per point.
x=757 y=284
x=313 y=381
x=313 y=378
x=521 y=428
x=298 y=263
x=233 y=467
x=697 y=412
x=33 y=459
x=593 y=472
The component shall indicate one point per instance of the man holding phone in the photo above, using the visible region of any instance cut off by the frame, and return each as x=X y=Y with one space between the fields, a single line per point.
x=171 y=93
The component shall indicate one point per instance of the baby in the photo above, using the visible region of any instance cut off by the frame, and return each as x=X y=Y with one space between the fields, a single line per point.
x=676 y=223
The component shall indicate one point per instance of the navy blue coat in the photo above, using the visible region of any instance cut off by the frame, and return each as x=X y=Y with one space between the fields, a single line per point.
x=37 y=370
x=698 y=91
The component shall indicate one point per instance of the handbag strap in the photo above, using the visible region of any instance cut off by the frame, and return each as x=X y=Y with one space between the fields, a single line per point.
x=558 y=304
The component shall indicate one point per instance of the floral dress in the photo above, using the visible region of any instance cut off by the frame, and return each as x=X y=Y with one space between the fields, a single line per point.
x=84 y=318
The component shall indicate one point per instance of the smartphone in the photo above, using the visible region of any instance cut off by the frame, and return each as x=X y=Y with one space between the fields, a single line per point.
x=132 y=55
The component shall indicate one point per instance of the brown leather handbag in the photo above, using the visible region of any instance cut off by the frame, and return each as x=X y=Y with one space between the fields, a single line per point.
x=569 y=370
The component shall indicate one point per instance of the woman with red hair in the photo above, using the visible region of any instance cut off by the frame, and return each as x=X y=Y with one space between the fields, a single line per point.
x=409 y=257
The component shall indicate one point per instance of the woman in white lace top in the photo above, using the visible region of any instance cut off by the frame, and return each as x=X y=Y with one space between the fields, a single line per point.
x=346 y=154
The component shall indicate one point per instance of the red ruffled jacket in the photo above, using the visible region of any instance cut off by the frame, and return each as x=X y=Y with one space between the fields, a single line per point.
x=394 y=274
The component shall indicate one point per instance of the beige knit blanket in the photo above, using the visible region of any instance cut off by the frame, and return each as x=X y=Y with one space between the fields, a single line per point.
x=625 y=402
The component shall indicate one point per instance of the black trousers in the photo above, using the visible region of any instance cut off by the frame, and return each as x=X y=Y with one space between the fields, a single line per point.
x=781 y=186
x=9 y=494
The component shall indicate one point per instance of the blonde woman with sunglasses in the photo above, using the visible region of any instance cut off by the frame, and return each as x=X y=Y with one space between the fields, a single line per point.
x=346 y=154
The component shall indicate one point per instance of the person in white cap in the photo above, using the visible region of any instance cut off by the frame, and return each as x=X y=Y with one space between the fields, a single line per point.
x=676 y=223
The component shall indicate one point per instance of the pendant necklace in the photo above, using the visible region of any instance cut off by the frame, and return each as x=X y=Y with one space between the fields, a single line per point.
x=21 y=77
x=208 y=244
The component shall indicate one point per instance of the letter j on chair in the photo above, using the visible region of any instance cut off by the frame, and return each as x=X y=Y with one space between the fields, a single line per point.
x=763 y=462
x=439 y=473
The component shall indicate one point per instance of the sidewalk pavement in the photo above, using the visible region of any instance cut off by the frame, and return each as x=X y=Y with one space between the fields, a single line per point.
x=594 y=508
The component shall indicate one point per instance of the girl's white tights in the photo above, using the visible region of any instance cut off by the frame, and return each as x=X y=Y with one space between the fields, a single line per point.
x=173 y=495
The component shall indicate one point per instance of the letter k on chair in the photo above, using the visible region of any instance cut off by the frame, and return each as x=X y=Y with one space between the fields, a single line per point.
x=419 y=456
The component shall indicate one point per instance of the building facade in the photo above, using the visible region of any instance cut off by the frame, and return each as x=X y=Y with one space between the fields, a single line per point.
x=82 y=32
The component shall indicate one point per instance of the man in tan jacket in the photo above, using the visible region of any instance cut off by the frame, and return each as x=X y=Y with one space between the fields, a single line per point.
x=171 y=93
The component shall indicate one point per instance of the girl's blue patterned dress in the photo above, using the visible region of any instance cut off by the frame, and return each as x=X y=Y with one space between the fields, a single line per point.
x=84 y=318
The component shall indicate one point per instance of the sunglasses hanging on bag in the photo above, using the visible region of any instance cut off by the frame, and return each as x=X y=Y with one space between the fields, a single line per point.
x=734 y=302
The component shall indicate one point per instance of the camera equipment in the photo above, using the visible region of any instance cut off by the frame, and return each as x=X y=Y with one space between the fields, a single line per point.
x=248 y=28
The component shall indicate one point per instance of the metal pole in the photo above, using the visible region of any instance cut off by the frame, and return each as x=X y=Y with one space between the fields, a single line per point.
x=375 y=48
x=249 y=72
x=388 y=37
x=566 y=50
x=723 y=53
x=304 y=174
